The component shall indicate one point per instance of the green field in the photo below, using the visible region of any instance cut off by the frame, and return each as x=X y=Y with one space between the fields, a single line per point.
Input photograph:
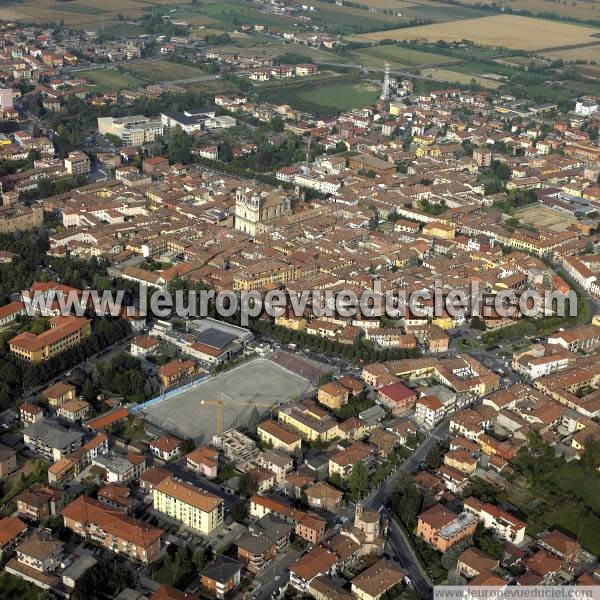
x=569 y=500
x=162 y=70
x=398 y=57
x=354 y=19
x=331 y=98
x=232 y=14
x=106 y=80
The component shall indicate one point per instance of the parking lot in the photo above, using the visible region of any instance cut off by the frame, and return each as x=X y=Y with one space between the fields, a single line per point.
x=259 y=383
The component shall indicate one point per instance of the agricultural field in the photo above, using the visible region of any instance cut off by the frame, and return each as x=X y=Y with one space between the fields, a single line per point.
x=521 y=62
x=510 y=31
x=88 y=14
x=162 y=70
x=350 y=17
x=440 y=12
x=388 y=4
x=583 y=10
x=273 y=48
x=458 y=77
x=587 y=53
x=589 y=71
x=398 y=57
x=107 y=80
x=229 y=14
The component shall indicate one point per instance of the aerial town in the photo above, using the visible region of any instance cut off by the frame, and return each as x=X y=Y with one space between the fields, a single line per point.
x=291 y=440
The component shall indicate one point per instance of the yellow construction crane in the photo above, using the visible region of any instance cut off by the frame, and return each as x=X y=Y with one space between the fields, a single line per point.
x=219 y=404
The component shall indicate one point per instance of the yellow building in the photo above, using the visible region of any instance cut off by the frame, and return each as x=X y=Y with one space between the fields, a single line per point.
x=309 y=420
x=333 y=395
x=397 y=108
x=195 y=508
x=444 y=322
x=291 y=322
x=425 y=140
x=274 y=434
x=64 y=333
x=439 y=230
x=264 y=274
x=461 y=460
x=59 y=393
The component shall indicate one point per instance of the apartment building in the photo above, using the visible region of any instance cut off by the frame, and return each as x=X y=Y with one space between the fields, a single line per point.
x=221 y=577
x=112 y=529
x=266 y=538
x=583 y=339
x=504 y=524
x=309 y=420
x=377 y=580
x=313 y=564
x=333 y=395
x=133 y=131
x=51 y=440
x=278 y=436
x=59 y=393
x=175 y=371
x=10 y=312
x=77 y=163
x=308 y=526
x=442 y=528
x=346 y=458
x=195 y=508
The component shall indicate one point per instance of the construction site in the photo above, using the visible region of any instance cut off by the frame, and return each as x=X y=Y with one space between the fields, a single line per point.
x=226 y=400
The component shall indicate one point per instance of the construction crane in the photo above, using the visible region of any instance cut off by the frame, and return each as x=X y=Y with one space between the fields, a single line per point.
x=219 y=410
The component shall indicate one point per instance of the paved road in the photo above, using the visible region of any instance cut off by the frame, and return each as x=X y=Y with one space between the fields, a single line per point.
x=278 y=569
x=378 y=497
x=400 y=544
x=406 y=556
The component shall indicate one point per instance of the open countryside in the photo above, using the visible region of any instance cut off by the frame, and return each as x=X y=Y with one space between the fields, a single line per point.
x=509 y=31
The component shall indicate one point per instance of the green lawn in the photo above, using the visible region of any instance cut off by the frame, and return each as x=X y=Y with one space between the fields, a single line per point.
x=573 y=518
x=399 y=57
x=106 y=80
x=337 y=97
x=585 y=483
x=163 y=70
x=577 y=514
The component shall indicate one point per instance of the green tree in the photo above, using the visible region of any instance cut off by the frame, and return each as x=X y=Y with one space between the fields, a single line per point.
x=358 y=482
x=179 y=146
x=253 y=420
